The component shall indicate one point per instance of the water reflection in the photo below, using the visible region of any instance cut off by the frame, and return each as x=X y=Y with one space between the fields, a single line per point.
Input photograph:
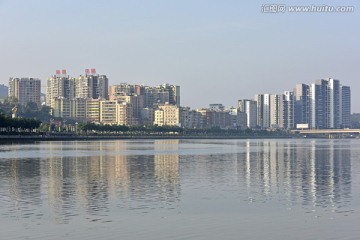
x=120 y=178
x=307 y=173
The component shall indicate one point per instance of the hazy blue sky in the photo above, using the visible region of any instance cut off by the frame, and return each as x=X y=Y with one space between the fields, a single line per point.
x=217 y=51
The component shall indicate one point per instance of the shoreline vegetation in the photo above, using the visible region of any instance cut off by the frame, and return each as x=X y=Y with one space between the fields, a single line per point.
x=16 y=130
x=28 y=129
x=31 y=138
x=155 y=134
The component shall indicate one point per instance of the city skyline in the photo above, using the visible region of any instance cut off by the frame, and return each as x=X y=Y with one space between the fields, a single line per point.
x=234 y=104
x=224 y=48
x=325 y=104
x=109 y=88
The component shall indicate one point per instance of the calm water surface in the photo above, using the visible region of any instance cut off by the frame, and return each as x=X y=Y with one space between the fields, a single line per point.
x=181 y=189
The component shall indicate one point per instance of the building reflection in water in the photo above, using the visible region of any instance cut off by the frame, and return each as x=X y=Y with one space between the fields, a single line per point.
x=145 y=175
x=167 y=169
x=310 y=173
x=94 y=182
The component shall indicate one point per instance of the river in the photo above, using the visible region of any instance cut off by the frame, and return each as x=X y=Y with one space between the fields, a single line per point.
x=181 y=189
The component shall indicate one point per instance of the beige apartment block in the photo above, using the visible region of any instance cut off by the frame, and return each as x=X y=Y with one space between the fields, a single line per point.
x=125 y=114
x=93 y=110
x=168 y=115
x=122 y=89
x=108 y=112
x=115 y=112
x=136 y=102
x=159 y=117
x=59 y=86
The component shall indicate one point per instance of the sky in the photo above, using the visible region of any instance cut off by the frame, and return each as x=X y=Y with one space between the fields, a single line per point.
x=216 y=51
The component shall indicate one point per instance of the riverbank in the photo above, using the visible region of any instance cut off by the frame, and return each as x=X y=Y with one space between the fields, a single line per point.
x=24 y=138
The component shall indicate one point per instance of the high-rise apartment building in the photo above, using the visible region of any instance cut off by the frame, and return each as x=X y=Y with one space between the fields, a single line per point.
x=119 y=90
x=125 y=114
x=233 y=112
x=59 y=86
x=301 y=104
x=135 y=101
x=25 y=90
x=250 y=108
x=276 y=110
x=263 y=110
x=345 y=107
x=323 y=104
x=282 y=110
x=89 y=86
x=174 y=93
x=156 y=96
x=78 y=108
x=78 y=92
x=162 y=94
x=288 y=106
x=108 y=112
x=93 y=110
x=92 y=86
x=333 y=87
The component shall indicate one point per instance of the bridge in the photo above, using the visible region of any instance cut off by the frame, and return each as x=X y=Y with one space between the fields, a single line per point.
x=332 y=133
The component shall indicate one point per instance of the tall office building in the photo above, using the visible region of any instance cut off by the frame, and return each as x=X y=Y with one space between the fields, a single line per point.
x=25 y=90
x=250 y=108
